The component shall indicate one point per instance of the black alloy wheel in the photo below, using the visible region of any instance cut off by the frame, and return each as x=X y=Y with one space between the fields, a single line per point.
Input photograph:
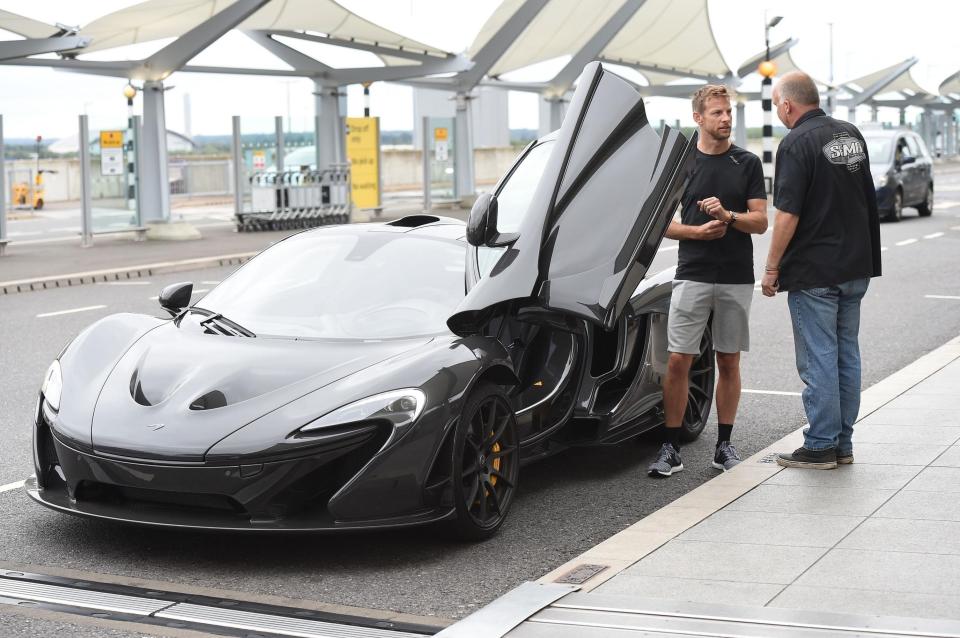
x=926 y=206
x=896 y=213
x=486 y=463
x=700 y=392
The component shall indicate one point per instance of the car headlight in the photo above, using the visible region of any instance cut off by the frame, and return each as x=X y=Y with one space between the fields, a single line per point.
x=53 y=385
x=399 y=407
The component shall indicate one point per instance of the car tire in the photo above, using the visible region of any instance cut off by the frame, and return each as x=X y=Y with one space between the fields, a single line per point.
x=926 y=206
x=485 y=463
x=700 y=392
x=896 y=212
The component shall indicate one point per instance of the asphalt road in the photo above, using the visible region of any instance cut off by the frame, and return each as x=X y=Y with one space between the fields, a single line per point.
x=566 y=504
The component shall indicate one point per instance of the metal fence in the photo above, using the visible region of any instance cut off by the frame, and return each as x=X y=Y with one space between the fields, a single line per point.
x=200 y=178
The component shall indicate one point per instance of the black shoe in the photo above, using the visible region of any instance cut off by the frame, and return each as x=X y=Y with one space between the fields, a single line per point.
x=810 y=459
x=668 y=461
x=844 y=458
x=726 y=456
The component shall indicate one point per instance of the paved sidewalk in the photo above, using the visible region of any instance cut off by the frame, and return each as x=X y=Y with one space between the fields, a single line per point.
x=867 y=549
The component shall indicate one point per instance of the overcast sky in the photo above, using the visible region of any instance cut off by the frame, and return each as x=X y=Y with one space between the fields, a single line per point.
x=868 y=35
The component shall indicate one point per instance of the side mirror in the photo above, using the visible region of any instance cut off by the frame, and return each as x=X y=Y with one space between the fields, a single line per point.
x=482 y=224
x=907 y=159
x=176 y=297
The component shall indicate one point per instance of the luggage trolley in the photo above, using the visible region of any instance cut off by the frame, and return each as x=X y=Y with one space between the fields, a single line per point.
x=298 y=199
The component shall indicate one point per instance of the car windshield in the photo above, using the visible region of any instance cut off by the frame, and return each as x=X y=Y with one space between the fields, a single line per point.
x=879 y=149
x=339 y=285
x=514 y=198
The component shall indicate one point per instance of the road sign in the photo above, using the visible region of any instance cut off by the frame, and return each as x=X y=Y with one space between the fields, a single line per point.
x=111 y=152
x=363 y=152
x=259 y=160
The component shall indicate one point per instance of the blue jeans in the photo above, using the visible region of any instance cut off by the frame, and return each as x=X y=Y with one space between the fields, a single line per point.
x=826 y=323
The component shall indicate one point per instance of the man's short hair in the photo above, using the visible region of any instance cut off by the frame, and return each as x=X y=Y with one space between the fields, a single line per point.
x=706 y=92
x=800 y=89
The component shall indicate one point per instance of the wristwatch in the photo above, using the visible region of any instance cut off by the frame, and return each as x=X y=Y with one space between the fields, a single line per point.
x=733 y=219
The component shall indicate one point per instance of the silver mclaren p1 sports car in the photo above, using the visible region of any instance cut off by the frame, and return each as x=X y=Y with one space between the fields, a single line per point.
x=392 y=374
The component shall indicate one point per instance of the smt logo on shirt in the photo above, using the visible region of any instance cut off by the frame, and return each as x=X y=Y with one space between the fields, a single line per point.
x=845 y=150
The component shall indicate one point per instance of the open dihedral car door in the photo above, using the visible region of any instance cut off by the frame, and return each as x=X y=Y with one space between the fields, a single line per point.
x=601 y=208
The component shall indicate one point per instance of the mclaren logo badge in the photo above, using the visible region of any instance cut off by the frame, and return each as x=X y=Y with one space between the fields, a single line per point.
x=845 y=150
x=156 y=426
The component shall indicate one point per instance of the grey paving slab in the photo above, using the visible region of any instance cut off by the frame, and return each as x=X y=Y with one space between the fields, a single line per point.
x=740 y=562
x=922 y=506
x=911 y=416
x=810 y=499
x=938 y=385
x=881 y=477
x=950 y=457
x=936 y=574
x=936 y=401
x=895 y=453
x=773 y=528
x=937 y=479
x=860 y=601
x=905 y=535
x=932 y=435
x=691 y=589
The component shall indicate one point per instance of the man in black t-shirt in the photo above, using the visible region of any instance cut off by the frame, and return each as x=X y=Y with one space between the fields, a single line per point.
x=725 y=201
x=824 y=250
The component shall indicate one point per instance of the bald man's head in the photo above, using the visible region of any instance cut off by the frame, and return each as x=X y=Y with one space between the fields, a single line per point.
x=795 y=94
x=799 y=88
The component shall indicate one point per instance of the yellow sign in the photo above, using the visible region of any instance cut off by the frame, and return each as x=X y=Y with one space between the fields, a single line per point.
x=111 y=139
x=363 y=152
x=440 y=134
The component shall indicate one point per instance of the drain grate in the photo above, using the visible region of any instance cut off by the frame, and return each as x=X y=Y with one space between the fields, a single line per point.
x=581 y=574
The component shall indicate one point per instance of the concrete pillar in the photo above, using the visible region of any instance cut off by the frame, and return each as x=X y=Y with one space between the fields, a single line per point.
x=740 y=132
x=552 y=110
x=327 y=104
x=278 y=134
x=464 y=185
x=154 y=185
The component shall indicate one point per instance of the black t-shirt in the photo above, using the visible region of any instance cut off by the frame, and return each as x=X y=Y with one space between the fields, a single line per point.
x=823 y=176
x=732 y=177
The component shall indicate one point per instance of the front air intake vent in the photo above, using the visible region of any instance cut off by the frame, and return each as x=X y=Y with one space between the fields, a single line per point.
x=209 y=401
x=136 y=390
x=412 y=221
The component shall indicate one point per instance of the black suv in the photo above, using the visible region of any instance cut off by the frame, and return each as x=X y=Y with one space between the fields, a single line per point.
x=902 y=171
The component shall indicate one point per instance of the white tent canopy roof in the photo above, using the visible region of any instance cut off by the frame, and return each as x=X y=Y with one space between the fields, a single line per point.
x=157 y=19
x=951 y=84
x=904 y=82
x=27 y=27
x=665 y=33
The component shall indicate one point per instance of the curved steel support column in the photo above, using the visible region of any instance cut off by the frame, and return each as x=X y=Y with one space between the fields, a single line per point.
x=329 y=131
x=465 y=187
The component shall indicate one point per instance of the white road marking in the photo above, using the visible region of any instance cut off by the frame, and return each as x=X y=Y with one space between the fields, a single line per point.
x=11 y=486
x=67 y=312
x=22 y=233
x=906 y=242
x=129 y=283
x=664 y=249
x=777 y=392
x=66 y=229
x=210 y=283
x=945 y=205
x=933 y=235
x=199 y=290
x=955 y=228
x=941 y=297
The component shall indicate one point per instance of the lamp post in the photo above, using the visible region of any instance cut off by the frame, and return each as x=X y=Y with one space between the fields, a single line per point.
x=768 y=69
x=130 y=92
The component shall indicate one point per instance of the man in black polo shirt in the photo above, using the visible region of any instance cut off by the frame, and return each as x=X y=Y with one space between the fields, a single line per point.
x=724 y=202
x=824 y=250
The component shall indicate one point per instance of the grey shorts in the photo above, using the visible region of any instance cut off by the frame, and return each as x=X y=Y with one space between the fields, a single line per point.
x=691 y=304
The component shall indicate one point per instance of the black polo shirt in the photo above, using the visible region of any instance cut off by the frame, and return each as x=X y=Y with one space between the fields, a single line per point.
x=823 y=176
x=733 y=178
